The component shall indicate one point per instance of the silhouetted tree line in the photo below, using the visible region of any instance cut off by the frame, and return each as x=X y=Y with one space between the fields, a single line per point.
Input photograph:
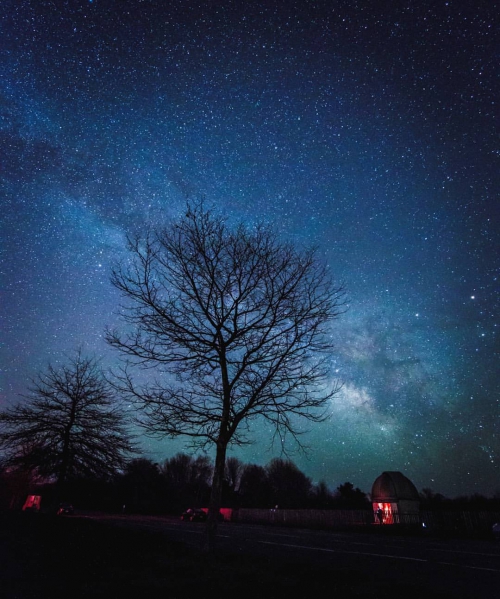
x=184 y=481
x=144 y=486
x=432 y=501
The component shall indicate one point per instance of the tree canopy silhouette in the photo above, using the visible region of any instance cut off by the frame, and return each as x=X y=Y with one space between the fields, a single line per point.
x=68 y=425
x=290 y=487
x=235 y=322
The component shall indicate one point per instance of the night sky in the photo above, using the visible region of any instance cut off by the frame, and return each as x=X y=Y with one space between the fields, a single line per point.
x=369 y=128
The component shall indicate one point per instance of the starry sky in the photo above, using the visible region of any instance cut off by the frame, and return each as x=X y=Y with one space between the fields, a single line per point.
x=369 y=128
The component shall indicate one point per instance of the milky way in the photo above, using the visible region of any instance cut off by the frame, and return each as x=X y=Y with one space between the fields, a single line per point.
x=367 y=128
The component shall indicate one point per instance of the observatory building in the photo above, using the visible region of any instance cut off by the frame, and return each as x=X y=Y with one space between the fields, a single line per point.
x=395 y=499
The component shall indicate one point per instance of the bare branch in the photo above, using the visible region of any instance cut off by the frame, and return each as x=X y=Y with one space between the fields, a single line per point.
x=69 y=424
x=236 y=325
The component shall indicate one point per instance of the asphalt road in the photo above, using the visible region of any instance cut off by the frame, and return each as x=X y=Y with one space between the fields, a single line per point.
x=465 y=569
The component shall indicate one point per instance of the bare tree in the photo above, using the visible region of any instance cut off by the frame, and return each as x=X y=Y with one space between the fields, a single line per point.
x=346 y=496
x=290 y=487
x=235 y=322
x=255 y=489
x=188 y=480
x=321 y=496
x=68 y=425
x=232 y=473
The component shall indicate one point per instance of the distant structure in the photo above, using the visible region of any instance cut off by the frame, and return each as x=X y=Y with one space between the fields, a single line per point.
x=395 y=499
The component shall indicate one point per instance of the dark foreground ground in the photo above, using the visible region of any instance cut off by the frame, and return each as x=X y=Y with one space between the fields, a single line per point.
x=49 y=556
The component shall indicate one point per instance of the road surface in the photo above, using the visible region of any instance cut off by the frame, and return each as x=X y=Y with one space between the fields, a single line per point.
x=459 y=568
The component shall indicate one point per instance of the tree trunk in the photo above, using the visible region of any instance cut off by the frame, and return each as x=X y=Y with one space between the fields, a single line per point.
x=60 y=487
x=215 y=497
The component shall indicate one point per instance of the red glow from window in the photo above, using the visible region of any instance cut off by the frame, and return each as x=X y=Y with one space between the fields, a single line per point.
x=388 y=509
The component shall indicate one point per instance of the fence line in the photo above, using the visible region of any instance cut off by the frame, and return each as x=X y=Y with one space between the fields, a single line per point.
x=305 y=518
x=456 y=521
x=440 y=521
